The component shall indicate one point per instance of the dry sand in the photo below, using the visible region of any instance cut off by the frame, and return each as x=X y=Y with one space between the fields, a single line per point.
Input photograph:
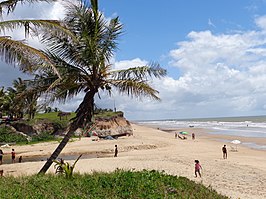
x=242 y=175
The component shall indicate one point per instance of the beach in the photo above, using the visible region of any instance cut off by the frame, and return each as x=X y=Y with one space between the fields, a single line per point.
x=242 y=175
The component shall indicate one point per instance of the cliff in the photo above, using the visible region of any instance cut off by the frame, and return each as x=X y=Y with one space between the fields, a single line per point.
x=112 y=126
x=103 y=126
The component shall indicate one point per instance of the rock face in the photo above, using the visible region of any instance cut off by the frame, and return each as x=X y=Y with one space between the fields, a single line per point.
x=103 y=126
x=42 y=126
x=113 y=126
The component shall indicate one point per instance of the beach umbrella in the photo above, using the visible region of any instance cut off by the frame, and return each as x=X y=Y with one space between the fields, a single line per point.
x=183 y=133
x=236 y=142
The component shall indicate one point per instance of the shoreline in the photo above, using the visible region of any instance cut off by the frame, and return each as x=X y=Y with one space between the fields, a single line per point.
x=239 y=176
x=255 y=143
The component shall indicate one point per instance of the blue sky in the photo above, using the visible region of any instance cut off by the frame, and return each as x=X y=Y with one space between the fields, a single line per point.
x=214 y=52
x=153 y=27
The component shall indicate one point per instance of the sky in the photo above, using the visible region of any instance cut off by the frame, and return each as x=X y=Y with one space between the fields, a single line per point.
x=214 y=53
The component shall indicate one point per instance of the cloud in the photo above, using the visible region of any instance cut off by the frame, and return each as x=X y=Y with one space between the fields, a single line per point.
x=125 y=64
x=261 y=22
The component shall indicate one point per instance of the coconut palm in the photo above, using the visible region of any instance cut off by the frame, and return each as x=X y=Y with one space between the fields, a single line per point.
x=26 y=98
x=81 y=55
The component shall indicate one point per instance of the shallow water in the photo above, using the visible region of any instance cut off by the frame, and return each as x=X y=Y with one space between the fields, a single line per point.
x=7 y=158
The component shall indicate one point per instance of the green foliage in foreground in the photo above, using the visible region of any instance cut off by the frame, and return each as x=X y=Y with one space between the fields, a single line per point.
x=119 y=184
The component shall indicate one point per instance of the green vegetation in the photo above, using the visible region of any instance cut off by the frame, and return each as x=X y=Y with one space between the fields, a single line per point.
x=119 y=184
x=6 y=135
x=65 y=168
x=43 y=137
x=52 y=117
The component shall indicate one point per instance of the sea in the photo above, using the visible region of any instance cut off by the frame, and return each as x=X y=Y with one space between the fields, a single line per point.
x=244 y=126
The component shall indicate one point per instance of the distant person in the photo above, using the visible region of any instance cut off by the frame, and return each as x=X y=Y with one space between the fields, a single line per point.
x=20 y=159
x=1 y=156
x=175 y=135
x=224 y=152
x=197 y=168
x=193 y=136
x=13 y=155
x=116 y=151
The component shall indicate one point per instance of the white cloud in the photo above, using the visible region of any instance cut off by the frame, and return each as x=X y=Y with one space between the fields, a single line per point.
x=261 y=22
x=125 y=64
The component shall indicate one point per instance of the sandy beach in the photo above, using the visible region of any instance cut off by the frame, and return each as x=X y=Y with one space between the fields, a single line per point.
x=242 y=175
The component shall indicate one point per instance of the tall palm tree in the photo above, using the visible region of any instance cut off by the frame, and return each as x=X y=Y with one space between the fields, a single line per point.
x=81 y=55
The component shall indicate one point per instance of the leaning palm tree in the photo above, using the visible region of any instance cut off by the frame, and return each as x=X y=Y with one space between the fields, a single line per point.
x=81 y=56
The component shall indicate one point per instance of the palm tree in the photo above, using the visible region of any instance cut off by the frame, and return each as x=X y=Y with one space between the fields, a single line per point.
x=82 y=58
x=26 y=98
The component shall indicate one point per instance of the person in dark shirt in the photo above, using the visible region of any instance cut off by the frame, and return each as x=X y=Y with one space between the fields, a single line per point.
x=116 y=151
x=224 y=152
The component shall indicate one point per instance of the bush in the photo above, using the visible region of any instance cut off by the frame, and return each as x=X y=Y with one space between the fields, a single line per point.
x=7 y=135
x=43 y=137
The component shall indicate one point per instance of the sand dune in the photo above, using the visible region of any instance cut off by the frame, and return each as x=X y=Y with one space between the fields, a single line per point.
x=242 y=175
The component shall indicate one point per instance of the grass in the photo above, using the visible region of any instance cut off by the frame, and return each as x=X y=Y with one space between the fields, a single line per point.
x=115 y=185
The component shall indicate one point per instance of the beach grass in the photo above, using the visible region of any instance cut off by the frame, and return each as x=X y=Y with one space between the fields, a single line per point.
x=118 y=184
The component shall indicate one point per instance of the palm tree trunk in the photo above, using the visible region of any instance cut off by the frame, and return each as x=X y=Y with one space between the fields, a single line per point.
x=84 y=115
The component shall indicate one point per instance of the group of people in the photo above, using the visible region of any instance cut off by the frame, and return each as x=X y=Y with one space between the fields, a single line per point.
x=13 y=156
x=184 y=137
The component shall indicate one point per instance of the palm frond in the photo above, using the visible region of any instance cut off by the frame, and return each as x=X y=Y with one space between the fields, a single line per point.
x=28 y=58
x=135 y=88
x=140 y=73
x=38 y=27
x=109 y=38
x=10 y=5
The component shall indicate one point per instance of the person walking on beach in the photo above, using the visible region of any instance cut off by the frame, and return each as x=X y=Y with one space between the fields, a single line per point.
x=197 y=168
x=1 y=156
x=116 y=151
x=13 y=155
x=224 y=152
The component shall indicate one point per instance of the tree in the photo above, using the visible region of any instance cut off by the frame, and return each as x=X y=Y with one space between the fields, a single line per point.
x=81 y=57
x=26 y=97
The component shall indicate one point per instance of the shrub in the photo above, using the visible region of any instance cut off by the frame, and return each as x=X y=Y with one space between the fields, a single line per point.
x=7 y=135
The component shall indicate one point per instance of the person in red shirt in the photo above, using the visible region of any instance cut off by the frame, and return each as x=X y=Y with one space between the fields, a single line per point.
x=13 y=155
x=197 y=168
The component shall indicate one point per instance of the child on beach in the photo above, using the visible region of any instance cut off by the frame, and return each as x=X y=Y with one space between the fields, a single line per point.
x=13 y=155
x=116 y=151
x=197 y=168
